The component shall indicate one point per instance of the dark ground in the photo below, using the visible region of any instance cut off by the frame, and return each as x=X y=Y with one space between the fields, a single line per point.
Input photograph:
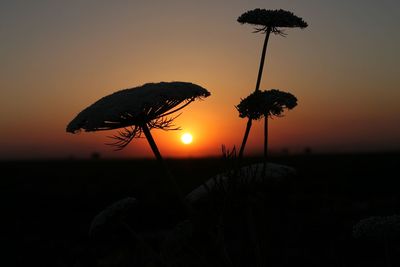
x=55 y=201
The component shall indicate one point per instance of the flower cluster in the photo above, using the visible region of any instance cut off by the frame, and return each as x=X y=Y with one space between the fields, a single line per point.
x=132 y=109
x=266 y=103
x=135 y=106
x=272 y=19
x=378 y=228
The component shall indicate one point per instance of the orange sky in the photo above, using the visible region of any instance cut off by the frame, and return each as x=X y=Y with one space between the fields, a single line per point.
x=59 y=57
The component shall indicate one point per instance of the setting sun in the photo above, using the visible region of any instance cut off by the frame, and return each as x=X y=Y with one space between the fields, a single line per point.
x=186 y=138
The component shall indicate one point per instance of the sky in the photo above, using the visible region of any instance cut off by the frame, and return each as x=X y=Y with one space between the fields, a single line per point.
x=58 y=57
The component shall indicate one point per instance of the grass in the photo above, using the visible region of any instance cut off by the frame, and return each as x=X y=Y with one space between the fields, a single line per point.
x=309 y=222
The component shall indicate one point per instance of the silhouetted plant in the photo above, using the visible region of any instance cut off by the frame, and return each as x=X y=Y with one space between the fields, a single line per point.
x=249 y=176
x=241 y=192
x=382 y=229
x=159 y=247
x=267 y=21
x=265 y=104
x=272 y=19
x=138 y=110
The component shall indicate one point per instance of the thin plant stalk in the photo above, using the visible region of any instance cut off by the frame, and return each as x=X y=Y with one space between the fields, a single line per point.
x=265 y=137
x=152 y=143
x=260 y=71
x=158 y=156
x=264 y=51
x=246 y=135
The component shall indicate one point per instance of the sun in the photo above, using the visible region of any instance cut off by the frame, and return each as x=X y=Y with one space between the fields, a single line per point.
x=186 y=138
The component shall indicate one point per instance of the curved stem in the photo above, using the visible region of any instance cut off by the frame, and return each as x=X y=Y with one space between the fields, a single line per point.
x=185 y=204
x=152 y=143
x=157 y=153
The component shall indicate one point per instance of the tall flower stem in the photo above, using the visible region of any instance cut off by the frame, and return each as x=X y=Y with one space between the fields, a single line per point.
x=246 y=135
x=265 y=137
x=264 y=51
x=152 y=143
x=260 y=70
x=157 y=153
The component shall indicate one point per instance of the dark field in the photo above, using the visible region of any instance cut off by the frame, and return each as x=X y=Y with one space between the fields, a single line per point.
x=306 y=222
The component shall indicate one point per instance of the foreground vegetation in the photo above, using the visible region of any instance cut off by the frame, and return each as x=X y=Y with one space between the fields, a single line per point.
x=305 y=221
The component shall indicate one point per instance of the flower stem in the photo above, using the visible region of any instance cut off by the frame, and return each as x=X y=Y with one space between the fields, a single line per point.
x=265 y=137
x=264 y=51
x=152 y=143
x=246 y=135
x=157 y=153
x=260 y=70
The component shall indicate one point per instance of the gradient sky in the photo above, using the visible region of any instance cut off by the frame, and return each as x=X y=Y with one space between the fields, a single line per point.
x=58 y=57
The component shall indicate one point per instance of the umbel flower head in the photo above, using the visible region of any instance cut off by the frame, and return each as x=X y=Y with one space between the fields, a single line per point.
x=146 y=105
x=266 y=103
x=272 y=19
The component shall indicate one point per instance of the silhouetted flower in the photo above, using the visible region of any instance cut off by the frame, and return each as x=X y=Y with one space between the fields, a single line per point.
x=378 y=228
x=137 y=108
x=265 y=103
x=268 y=21
x=141 y=108
x=272 y=19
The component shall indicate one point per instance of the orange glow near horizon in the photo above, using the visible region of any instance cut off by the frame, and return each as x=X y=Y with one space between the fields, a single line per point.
x=59 y=58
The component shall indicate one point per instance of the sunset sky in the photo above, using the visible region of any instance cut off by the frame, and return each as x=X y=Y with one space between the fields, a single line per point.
x=58 y=57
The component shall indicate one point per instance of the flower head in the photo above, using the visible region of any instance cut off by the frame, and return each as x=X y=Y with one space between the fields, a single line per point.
x=134 y=106
x=265 y=103
x=272 y=19
x=148 y=104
